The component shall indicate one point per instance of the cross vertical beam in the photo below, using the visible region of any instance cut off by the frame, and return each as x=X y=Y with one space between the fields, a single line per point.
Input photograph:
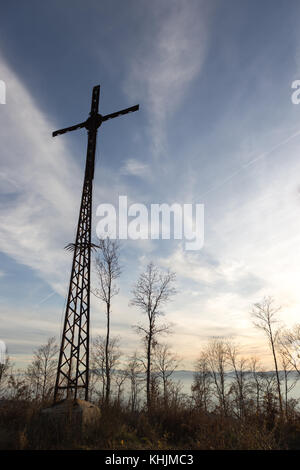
x=73 y=363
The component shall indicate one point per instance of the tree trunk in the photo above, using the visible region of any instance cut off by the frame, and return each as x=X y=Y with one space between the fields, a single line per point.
x=107 y=371
x=277 y=376
x=149 y=371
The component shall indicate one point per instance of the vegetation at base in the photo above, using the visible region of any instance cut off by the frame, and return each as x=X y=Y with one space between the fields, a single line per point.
x=178 y=427
x=234 y=403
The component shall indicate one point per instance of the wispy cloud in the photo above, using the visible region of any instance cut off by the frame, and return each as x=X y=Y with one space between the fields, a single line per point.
x=41 y=179
x=252 y=161
x=168 y=61
x=251 y=230
x=8 y=184
x=135 y=168
x=46 y=298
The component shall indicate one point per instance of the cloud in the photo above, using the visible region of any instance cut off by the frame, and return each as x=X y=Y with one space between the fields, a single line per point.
x=40 y=183
x=251 y=240
x=212 y=272
x=168 y=61
x=40 y=178
x=135 y=168
x=46 y=298
x=8 y=184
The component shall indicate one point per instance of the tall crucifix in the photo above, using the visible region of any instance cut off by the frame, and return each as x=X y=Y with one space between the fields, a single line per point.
x=73 y=364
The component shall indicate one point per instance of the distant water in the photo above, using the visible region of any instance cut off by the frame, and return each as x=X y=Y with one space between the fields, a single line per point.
x=185 y=377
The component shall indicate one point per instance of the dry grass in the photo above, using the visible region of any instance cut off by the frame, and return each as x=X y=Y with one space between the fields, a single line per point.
x=23 y=427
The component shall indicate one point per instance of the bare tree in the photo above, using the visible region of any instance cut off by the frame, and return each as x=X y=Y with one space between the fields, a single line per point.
x=152 y=290
x=108 y=270
x=265 y=318
x=288 y=385
x=257 y=381
x=240 y=385
x=269 y=397
x=175 y=393
x=134 y=374
x=18 y=387
x=41 y=372
x=202 y=383
x=289 y=341
x=119 y=378
x=165 y=362
x=104 y=359
x=4 y=375
x=217 y=362
x=97 y=367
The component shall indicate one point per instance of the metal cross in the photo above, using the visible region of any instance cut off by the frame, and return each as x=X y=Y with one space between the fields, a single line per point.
x=73 y=364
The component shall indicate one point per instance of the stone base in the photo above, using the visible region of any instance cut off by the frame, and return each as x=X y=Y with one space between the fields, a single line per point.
x=79 y=413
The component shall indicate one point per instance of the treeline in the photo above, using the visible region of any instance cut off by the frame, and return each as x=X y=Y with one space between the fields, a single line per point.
x=233 y=402
x=225 y=383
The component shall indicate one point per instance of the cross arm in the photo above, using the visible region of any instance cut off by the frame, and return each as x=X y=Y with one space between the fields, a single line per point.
x=68 y=129
x=120 y=113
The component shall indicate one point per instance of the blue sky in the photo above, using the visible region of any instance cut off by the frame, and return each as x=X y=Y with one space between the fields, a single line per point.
x=216 y=126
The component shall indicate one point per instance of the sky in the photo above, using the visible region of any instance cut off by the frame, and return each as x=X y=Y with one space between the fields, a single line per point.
x=216 y=126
